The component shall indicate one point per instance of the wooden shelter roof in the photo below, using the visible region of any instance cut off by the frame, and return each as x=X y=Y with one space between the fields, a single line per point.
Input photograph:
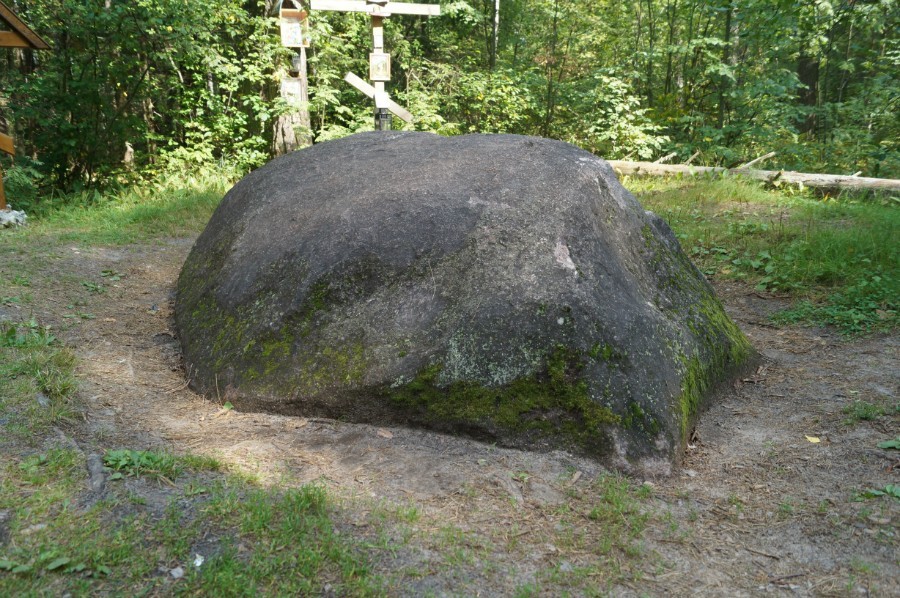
x=19 y=35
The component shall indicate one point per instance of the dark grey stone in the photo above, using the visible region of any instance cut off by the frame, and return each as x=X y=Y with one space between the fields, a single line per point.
x=500 y=286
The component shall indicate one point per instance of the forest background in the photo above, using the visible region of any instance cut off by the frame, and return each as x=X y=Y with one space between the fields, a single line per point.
x=190 y=84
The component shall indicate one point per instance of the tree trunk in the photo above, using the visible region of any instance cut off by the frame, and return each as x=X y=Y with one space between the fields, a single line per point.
x=292 y=130
x=495 y=37
x=651 y=37
x=808 y=73
x=726 y=59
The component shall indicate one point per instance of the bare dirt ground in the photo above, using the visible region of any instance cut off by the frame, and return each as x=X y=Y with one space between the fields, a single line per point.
x=756 y=509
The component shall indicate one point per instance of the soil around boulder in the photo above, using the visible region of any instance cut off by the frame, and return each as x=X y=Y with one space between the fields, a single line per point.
x=504 y=287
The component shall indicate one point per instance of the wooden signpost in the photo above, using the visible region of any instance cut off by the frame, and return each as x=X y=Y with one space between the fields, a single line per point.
x=18 y=35
x=379 y=60
x=292 y=129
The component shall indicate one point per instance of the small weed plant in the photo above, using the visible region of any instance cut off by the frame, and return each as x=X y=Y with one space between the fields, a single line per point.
x=154 y=464
x=864 y=411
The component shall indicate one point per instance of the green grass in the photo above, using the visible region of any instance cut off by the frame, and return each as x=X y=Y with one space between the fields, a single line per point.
x=254 y=540
x=37 y=380
x=171 y=207
x=837 y=257
x=858 y=411
x=126 y=462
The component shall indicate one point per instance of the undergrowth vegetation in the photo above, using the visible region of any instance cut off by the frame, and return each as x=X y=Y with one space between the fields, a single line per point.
x=837 y=256
x=170 y=206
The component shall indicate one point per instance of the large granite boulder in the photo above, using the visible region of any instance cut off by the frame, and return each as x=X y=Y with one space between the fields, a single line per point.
x=499 y=286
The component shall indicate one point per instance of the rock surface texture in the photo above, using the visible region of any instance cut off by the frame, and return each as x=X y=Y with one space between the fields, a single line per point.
x=499 y=286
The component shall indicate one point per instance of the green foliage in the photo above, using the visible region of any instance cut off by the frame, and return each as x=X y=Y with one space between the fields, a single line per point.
x=25 y=336
x=155 y=464
x=170 y=206
x=189 y=83
x=617 y=125
x=137 y=463
x=182 y=82
x=37 y=379
x=866 y=305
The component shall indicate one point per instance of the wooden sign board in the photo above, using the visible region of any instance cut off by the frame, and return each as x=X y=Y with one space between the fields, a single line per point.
x=379 y=66
x=294 y=28
x=6 y=145
x=292 y=90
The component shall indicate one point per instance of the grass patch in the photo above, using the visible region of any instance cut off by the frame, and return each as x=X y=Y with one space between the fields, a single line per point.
x=231 y=539
x=170 y=207
x=54 y=541
x=37 y=380
x=858 y=411
x=126 y=462
x=598 y=537
x=279 y=542
x=838 y=257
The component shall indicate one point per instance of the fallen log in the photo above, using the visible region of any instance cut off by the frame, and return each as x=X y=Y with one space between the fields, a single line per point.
x=820 y=181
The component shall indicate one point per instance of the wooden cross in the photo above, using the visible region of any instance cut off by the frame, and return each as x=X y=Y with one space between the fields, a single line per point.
x=379 y=61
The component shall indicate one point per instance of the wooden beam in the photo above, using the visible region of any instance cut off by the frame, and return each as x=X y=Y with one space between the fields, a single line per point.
x=821 y=181
x=388 y=8
x=16 y=24
x=11 y=39
x=369 y=91
x=6 y=145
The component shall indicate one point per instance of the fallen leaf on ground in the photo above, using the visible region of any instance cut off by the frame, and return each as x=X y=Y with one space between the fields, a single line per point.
x=814 y=439
x=384 y=433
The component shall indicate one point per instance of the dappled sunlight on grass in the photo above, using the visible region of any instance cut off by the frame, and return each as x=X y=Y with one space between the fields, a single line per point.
x=170 y=207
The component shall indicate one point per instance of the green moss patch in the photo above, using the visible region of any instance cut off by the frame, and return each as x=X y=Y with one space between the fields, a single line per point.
x=554 y=404
x=724 y=351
